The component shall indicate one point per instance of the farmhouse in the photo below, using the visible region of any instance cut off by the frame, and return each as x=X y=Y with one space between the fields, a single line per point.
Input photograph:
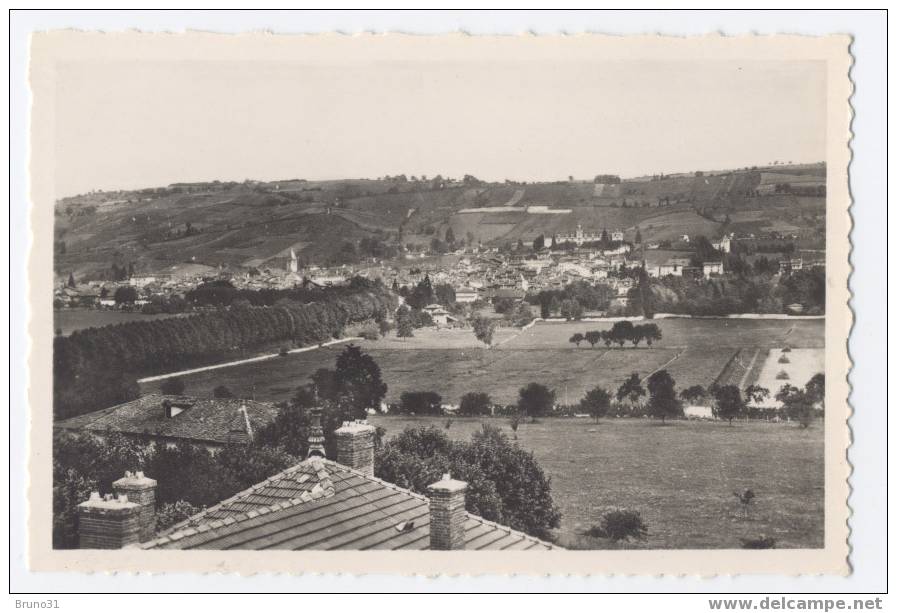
x=712 y=268
x=318 y=504
x=211 y=422
x=440 y=316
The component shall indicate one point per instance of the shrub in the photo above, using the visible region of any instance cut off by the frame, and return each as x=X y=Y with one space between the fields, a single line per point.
x=786 y=349
x=782 y=376
x=621 y=525
x=420 y=403
x=171 y=513
x=475 y=403
x=783 y=359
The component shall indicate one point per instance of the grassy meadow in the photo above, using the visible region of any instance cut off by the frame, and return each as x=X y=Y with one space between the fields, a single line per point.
x=453 y=362
x=680 y=477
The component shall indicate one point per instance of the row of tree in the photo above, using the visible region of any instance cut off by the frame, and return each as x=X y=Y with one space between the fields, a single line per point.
x=95 y=368
x=621 y=333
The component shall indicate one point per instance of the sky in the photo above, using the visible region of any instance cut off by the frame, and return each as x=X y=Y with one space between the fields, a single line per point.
x=130 y=124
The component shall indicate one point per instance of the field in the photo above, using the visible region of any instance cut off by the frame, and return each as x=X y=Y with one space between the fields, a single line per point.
x=680 y=477
x=69 y=320
x=452 y=362
x=801 y=365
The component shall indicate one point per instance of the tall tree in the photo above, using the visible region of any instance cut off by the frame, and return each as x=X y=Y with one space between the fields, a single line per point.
x=728 y=403
x=631 y=389
x=483 y=329
x=535 y=400
x=596 y=403
x=404 y=324
x=663 y=402
x=357 y=382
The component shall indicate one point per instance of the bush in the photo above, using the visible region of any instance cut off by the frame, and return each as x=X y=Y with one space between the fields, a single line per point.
x=475 y=403
x=786 y=349
x=783 y=359
x=782 y=376
x=171 y=513
x=420 y=403
x=620 y=525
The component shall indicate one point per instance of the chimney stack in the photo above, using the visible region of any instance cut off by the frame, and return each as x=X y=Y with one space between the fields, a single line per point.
x=108 y=522
x=140 y=490
x=316 y=435
x=447 y=513
x=355 y=445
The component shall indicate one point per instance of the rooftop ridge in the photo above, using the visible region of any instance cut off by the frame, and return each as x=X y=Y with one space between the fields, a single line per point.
x=316 y=493
x=323 y=479
x=470 y=515
x=323 y=489
x=387 y=484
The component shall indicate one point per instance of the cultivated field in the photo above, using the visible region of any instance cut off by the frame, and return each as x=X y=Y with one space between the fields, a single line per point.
x=452 y=362
x=680 y=477
x=801 y=365
x=69 y=320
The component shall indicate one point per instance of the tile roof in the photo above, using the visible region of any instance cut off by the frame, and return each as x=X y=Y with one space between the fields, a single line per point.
x=208 y=420
x=322 y=505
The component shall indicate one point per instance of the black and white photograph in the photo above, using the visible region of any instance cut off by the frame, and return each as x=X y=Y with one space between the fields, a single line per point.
x=515 y=298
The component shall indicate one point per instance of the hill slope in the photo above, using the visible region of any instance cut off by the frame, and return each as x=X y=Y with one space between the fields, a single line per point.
x=256 y=224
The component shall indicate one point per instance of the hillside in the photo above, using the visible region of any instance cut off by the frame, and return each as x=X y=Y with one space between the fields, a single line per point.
x=254 y=224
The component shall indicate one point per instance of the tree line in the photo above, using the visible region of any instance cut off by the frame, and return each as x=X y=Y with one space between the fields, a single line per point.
x=621 y=333
x=96 y=367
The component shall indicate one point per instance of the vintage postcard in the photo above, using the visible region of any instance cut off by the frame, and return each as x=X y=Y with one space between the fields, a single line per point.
x=439 y=304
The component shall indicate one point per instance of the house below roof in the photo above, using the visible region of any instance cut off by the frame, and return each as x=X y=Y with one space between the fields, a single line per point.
x=213 y=422
x=319 y=504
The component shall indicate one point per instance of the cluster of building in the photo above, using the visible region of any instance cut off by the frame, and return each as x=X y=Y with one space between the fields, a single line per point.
x=476 y=274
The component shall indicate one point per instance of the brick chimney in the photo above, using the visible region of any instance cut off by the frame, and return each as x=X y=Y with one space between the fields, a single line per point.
x=447 y=514
x=355 y=445
x=140 y=490
x=108 y=522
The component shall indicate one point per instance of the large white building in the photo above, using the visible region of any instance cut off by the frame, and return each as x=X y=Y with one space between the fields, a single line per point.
x=580 y=236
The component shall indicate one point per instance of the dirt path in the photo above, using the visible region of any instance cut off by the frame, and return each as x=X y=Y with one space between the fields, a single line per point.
x=667 y=363
x=258 y=358
x=748 y=368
